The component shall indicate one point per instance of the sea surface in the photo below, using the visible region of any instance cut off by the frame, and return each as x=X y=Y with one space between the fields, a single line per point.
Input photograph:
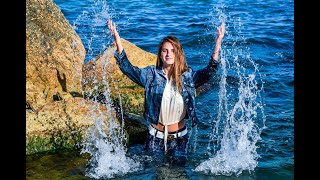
x=257 y=56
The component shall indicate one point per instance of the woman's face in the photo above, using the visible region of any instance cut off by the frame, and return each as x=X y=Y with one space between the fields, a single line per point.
x=167 y=54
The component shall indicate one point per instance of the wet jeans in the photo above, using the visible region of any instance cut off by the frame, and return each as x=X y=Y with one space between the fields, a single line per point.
x=176 y=149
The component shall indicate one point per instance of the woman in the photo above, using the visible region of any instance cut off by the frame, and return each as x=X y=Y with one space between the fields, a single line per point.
x=170 y=88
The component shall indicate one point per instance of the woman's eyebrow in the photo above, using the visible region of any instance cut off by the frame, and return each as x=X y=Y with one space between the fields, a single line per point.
x=168 y=49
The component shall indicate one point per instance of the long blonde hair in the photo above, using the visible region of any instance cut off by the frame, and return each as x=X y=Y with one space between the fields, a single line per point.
x=180 y=63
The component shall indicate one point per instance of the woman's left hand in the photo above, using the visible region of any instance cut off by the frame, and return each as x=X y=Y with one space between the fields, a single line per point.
x=220 y=32
x=219 y=35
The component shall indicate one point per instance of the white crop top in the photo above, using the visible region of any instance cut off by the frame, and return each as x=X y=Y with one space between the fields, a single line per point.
x=172 y=108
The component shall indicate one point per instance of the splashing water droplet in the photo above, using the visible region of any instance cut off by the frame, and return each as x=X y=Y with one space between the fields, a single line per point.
x=104 y=139
x=240 y=120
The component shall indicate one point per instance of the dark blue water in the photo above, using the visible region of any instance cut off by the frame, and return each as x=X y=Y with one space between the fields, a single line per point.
x=263 y=30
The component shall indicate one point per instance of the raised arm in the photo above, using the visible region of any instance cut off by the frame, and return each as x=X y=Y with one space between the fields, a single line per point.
x=136 y=74
x=115 y=34
x=219 y=35
x=201 y=76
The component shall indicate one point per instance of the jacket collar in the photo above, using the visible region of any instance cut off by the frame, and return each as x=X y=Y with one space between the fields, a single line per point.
x=160 y=71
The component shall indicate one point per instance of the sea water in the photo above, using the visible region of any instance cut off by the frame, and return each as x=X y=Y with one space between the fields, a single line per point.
x=248 y=107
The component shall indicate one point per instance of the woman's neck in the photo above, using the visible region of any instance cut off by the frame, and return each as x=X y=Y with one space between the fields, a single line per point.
x=167 y=70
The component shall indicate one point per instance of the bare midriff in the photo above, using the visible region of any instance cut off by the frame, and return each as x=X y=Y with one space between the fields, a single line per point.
x=171 y=127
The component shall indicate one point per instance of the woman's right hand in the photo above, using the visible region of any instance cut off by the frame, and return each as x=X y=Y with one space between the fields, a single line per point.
x=112 y=28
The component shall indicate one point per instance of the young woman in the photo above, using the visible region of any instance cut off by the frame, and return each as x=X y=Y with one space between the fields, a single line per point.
x=169 y=91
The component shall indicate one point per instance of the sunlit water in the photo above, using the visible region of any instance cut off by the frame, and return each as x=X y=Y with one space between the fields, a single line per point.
x=248 y=109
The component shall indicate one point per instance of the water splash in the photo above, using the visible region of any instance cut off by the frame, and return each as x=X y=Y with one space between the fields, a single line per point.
x=240 y=118
x=92 y=27
x=105 y=139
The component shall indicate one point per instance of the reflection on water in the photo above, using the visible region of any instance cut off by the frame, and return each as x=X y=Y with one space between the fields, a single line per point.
x=61 y=165
x=72 y=165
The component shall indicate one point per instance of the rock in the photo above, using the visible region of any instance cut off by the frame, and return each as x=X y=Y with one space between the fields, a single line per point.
x=54 y=54
x=57 y=111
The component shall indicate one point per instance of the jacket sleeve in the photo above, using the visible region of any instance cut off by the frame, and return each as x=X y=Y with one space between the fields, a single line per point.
x=136 y=74
x=203 y=75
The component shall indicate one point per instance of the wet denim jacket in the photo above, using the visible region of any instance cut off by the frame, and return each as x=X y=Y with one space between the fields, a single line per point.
x=153 y=80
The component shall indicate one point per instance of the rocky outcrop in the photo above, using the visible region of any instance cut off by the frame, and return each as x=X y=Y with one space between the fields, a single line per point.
x=54 y=55
x=57 y=111
x=61 y=124
x=54 y=59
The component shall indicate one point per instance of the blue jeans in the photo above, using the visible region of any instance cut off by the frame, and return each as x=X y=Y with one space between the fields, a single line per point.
x=176 y=149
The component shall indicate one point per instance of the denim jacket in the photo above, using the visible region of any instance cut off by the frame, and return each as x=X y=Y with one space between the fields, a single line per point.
x=153 y=80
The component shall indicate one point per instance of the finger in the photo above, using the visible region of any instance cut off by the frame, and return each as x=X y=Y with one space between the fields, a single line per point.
x=114 y=26
x=109 y=26
x=218 y=31
x=222 y=26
